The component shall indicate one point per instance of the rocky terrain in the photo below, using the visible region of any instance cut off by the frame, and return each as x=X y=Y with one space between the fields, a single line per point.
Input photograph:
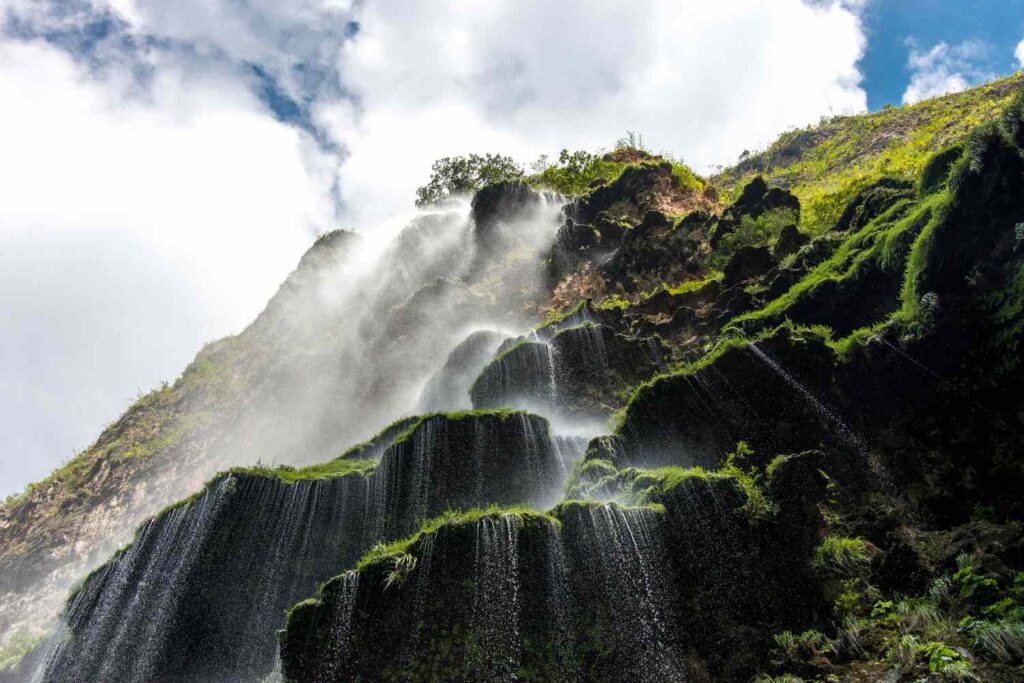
x=609 y=423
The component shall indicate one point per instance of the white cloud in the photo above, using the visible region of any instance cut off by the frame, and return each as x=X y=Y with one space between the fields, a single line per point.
x=133 y=229
x=1019 y=53
x=943 y=69
x=704 y=80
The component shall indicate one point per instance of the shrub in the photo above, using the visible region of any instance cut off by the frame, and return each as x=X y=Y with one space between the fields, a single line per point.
x=1000 y=640
x=843 y=556
x=462 y=175
x=404 y=563
x=738 y=466
x=972 y=584
x=753 y=232
x=576 y=173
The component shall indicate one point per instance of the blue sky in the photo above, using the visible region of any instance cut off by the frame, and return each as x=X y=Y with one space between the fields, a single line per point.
x=996 y=25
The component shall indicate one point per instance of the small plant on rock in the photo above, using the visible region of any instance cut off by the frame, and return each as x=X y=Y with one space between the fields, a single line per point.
x=843 y=556
x=403 y=566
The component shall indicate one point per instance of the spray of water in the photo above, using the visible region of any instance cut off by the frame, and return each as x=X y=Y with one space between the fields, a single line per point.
x=496 y=600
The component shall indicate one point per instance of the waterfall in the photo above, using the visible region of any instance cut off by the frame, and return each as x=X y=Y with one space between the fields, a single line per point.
x=496 y=600
x=461 y=462
x=202 y=590
x=627 y=550
x=116 y=622
x=558 y=608
x=569 y=449
x=339 y=648
x=829 y=415
x=522 y=377
x=449 y=387
x=556 y=373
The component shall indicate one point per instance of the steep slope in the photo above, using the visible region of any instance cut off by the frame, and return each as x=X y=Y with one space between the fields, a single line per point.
x=314 y=373
x=811 y=469
x=826 y=165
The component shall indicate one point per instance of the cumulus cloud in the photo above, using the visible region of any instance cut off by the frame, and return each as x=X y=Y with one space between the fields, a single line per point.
x=134 y=228
x=942 y=69
x=703 y=80
x=1019 y=53
x=165 y=163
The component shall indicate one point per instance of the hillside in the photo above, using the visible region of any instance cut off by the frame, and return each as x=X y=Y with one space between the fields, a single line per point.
x=763 y=425
x=825 y=165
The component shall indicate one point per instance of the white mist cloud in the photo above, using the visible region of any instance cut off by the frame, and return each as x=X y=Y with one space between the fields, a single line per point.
x=1019 y=53
x=135 y=226
x=943 y=69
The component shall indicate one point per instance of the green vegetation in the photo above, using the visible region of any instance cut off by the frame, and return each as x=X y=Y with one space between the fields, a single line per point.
x=945 y=635
x=883 y=243
x=325 y=470
x=575 y=173
x=752 y=232
x=464 y=175
x=687 y=286
x=848 y=557
x=17 y=646
x=637 y=486
x=826 y=165
x=739 y=466
x=449 y=518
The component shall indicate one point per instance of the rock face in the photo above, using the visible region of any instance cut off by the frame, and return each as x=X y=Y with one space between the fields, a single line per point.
x=755 y=200
x=565 y=368
x=203 y=587
x=201 y=590
x=807 y=464
x=592 y=591
x=448 y=388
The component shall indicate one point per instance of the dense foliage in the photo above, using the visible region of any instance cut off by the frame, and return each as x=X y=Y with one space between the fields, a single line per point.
x=466 y=174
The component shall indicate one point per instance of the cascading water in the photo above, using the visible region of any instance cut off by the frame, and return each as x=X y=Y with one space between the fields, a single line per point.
x=202 y=590
x=448 y=389
x=829 y=415
x=496 y=600
x=341 y=619
x=630 y=560
x=115 y=621
x=460 y=462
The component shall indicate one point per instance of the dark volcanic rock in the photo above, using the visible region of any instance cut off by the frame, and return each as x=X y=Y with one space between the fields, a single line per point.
x=790 y=240
x=871 y=202
x=498 y=202
x=755 y=200
x=747 y=263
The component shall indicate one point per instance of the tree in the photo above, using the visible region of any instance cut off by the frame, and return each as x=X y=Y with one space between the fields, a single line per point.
x=465 y=174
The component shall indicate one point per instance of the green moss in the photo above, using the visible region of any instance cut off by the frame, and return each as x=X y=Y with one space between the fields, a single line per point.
x=826 y=165
x=688 y=286
x=326 y=470
x=568 y=507
x=392 y=428
x=558 y=316
x=451 y=518
x=18 y=645
x=936 y=172
x=883 y=242
x=501 y=414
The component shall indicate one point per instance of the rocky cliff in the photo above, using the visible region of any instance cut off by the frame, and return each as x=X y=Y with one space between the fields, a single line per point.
x=761 y=426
